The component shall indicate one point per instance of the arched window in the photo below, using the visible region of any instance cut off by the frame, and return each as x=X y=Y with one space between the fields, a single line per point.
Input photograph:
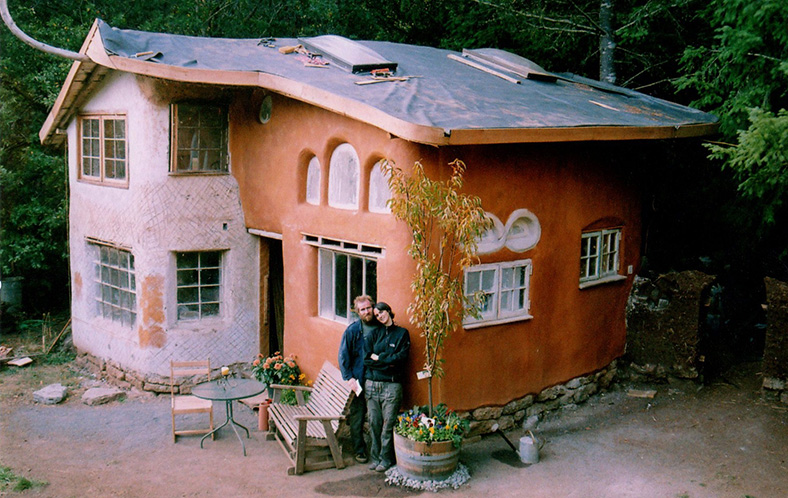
x=379 y=192
x=344 y=171
x=522 y=231
x=313 y=182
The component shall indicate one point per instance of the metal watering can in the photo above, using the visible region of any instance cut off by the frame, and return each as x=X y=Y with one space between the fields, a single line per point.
x=529 y=448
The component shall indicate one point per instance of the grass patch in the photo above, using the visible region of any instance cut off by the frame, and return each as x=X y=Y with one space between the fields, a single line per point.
x=9 y=481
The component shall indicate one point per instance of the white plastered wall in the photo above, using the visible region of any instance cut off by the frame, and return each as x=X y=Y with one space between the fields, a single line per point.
x=156 y=216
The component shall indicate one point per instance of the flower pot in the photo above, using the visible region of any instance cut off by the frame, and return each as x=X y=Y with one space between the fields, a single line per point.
x=262 y=414
x=435 y=461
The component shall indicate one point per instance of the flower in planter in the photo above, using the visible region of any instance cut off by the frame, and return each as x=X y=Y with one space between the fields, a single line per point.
x=277 y=369
x=444 y=425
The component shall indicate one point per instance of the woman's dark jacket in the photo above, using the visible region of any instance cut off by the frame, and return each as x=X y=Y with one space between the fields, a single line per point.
x=392 y=345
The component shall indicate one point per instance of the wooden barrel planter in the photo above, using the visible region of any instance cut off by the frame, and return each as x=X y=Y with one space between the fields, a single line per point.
x=434 y=461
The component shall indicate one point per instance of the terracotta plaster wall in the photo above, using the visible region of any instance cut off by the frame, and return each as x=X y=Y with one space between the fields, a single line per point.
x=568 y=187
x=271 y=162
x=574 y=331
x=156 y=216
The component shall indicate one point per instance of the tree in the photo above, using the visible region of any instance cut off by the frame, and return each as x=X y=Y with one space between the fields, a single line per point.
x=446 y=225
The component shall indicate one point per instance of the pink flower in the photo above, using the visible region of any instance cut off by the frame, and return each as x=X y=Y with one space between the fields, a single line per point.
x=256 y=362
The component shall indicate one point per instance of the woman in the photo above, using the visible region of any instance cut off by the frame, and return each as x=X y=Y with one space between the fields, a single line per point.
x=386 y=354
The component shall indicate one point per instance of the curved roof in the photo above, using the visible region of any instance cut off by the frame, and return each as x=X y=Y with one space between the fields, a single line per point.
x=443 y=99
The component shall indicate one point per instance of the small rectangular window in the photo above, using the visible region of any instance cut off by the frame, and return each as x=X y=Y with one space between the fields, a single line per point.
x=504 y=288
x=116 y=285
x=102 y=149
x=199 y=284
x=600 y=255
x=199 y=138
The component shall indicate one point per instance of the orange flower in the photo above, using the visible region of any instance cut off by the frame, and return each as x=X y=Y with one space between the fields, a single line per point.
x=256 y=362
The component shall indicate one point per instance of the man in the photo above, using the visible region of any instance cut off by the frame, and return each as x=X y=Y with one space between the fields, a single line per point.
x=351 y=364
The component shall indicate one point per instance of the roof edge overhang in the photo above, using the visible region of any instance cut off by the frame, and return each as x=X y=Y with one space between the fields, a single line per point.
x=85 y=74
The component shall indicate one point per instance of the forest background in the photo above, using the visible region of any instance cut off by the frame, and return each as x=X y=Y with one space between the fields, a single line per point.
x=715 y=206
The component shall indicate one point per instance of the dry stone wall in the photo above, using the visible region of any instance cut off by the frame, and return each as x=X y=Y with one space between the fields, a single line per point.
x=775 y=354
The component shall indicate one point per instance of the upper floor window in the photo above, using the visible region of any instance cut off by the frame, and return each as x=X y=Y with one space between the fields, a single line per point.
x=600 y=256
x=102 y=149
x=346 y=270
x=199 y=138
x=199 y=282
x=116 y=286
x=343 y=178
x=379 y=192
x=504 y=289
x=313 y=182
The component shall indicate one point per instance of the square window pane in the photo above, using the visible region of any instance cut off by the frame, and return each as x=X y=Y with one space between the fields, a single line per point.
x=188 y=295
x=188 y=277
x=341 y=287
x=209 y=294
x=507 y=278
x=356 y=276
x=188 y=312
x=210 y=259
x=488 y=280
x=211 y=309
x=473 y=282
x=188 y=259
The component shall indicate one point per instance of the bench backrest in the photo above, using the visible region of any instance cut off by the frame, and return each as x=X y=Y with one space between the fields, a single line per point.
x=330 y=394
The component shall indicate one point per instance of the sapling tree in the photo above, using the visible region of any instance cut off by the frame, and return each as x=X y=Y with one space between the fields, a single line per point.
x=446 y=225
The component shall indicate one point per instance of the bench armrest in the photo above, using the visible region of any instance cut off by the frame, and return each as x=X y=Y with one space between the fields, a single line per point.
x=285 y=386
x=318 y=417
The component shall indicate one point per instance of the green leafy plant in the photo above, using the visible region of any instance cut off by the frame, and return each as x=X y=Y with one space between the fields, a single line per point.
x=445 y=225
x=16 y=483
x=278 y=369
x=442 y=425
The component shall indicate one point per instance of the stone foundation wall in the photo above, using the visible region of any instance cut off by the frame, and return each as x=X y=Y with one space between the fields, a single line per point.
x=116 y=375
x=529 y=410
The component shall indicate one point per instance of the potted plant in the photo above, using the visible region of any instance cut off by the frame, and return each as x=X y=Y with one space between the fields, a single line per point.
x=278 y=370
x=446 y=226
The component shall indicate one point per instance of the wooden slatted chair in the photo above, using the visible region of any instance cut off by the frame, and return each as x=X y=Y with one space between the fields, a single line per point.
x=182 y=404
x=308 y=432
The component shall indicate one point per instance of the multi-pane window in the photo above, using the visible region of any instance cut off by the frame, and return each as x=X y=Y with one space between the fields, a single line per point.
x=199 y=136
x=599 y=254
x=347 y=270
x=502 y=290
x=199 y=280
x=116 y=295
x=102 y=150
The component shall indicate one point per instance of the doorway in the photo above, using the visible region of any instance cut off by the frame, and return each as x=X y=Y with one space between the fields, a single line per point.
x=272 y=296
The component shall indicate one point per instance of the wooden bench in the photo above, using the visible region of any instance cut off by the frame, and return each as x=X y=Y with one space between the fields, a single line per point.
x=307 y=432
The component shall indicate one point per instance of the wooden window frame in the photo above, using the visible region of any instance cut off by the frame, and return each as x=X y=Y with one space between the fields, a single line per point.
x=175 y=149
x=103 y=161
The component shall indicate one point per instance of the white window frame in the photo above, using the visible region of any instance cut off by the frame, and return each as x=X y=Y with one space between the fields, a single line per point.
x=600 y=257
x=344 y=174
x=496 y=314
x=200 y=286
x=116 y=146
x=329 y=251
x=116 y=282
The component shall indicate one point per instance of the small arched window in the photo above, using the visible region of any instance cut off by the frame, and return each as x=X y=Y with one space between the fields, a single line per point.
x=379 y=192
x=313 y=182
x=343 y=175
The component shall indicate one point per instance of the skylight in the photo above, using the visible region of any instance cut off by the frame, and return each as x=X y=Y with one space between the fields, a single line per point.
x=510 y=62
x=348 y=54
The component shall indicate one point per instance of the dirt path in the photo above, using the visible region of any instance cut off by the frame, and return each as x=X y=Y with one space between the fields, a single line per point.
x=716 y=441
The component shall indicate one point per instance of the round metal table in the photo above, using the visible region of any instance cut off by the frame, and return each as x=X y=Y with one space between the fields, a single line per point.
x=228 y=390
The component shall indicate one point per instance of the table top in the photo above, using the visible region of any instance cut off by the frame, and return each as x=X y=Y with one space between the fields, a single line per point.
x=229 y=389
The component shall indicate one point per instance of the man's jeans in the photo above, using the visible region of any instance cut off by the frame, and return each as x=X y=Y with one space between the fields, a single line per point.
x=355 y=418
x=383 y=400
